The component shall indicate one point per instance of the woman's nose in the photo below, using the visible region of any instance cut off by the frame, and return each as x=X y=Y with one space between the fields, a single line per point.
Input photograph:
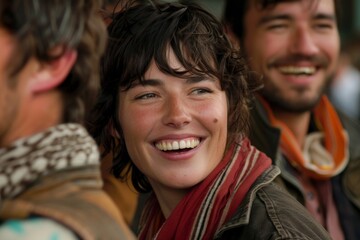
x=176 y=112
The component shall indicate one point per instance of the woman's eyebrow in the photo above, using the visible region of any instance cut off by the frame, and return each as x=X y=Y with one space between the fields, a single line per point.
x=147 y=82
x=196 y=79
x=158 y=82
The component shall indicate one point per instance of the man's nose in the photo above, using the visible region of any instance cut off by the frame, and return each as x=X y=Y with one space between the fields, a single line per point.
x=303 y=42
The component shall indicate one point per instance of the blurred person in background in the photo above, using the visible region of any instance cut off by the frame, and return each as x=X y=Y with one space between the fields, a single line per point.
x=344 y=90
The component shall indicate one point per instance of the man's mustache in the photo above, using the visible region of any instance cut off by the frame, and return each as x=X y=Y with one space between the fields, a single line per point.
x=316 y=60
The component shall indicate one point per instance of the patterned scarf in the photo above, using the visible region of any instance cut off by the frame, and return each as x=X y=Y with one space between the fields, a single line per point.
x=61 y=147
x=212 y=202
x=325 y=153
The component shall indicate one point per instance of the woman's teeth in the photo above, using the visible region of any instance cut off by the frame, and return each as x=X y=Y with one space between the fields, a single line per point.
x=176 y=145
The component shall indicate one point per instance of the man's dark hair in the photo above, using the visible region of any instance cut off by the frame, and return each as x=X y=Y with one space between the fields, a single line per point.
x=39 y=26
x=235 y=11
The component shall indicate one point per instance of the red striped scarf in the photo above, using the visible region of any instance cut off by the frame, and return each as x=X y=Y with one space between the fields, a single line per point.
x=212 y=202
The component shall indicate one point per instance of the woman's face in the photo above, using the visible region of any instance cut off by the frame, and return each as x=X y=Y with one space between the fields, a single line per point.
x=175 y=129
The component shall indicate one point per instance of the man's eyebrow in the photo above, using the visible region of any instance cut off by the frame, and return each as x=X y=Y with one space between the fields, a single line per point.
x=147 y=82
x=324 y=16
x=273 y=17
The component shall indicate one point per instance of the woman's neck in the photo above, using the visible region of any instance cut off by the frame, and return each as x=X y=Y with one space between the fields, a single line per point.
x=168 y=198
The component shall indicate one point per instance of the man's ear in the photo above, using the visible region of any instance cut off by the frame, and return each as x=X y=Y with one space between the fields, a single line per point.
x=52 y=74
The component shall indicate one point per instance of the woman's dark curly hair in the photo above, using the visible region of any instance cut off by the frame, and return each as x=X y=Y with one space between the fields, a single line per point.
x=145 y=32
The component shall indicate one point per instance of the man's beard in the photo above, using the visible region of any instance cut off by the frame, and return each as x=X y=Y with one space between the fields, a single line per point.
x=296 y=104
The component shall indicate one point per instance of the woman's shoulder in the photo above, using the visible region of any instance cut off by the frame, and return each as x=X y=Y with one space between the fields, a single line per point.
x=280 y=213
x=271 y=213
x=35 y=228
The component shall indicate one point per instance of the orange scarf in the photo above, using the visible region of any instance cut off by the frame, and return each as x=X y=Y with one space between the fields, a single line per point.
x=334 y=141
x=204 y=210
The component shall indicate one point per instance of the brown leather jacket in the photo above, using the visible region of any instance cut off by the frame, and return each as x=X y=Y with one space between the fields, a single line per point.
x=285 y=217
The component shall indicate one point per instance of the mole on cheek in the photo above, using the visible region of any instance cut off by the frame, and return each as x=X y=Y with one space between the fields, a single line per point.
x=215 y=120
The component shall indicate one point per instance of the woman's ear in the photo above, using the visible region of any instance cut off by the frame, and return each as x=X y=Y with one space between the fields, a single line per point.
x=113 y=132
x=51 y=74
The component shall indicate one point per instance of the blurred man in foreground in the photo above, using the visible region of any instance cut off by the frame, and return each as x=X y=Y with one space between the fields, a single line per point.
x=50 y=184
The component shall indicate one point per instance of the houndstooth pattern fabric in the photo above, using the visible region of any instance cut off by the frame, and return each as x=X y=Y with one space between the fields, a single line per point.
x=61 y=147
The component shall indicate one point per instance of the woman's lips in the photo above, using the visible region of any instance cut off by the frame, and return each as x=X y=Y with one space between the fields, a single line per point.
x=178 y=144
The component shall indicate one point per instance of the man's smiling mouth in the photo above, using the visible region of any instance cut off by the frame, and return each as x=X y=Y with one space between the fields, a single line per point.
x=295 y=70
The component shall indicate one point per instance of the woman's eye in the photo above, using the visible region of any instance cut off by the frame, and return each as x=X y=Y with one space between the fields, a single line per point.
x=200 y=91
x=145 y=96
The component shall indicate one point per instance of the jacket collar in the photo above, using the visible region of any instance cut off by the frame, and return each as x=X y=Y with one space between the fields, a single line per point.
x=242 y=216
x=262 y=135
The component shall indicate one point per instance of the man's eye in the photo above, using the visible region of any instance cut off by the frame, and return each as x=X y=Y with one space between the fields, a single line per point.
x=277 y=27
x=324 y=26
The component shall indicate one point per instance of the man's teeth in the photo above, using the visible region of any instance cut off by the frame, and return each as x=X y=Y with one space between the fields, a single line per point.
x=176 y=145
x=297 y=70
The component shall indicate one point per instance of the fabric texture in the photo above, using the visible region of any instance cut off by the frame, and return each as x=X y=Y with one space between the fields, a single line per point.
x=61 y=147
x=326 y=153
x=208 y=205
x=268 y=212
x=66 y=187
